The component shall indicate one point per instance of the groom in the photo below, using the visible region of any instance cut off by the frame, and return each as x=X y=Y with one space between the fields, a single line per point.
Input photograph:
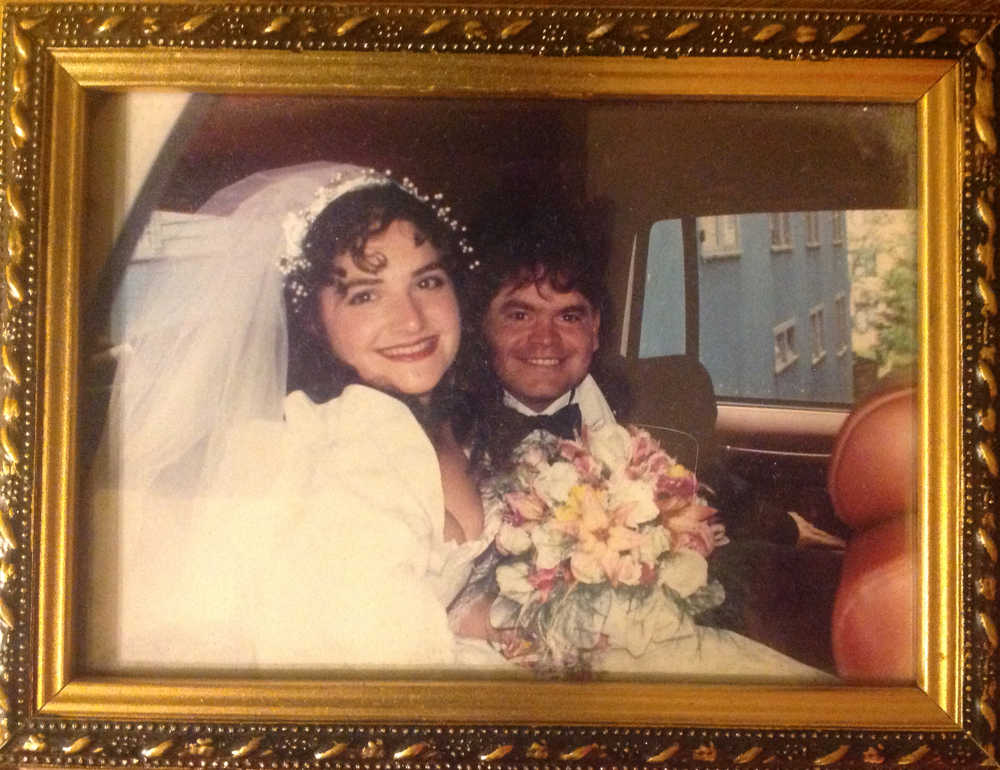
x=541 y=304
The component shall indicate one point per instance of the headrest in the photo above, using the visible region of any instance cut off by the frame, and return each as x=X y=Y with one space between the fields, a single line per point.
x=673 y=392
x=873 y=465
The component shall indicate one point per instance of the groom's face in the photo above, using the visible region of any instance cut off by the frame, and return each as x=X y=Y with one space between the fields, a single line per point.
x=541 y=340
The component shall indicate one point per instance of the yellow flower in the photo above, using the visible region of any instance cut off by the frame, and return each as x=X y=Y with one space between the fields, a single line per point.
x=573 y=507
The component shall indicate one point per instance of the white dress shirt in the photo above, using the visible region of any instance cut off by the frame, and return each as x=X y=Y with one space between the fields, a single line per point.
x=594 y=409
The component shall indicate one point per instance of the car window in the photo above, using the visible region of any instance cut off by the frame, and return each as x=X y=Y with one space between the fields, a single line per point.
x=792 y=307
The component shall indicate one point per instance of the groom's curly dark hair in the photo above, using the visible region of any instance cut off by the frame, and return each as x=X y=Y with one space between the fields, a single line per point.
x=550 y=245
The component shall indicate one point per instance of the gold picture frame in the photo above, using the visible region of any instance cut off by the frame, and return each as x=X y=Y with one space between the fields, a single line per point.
x=938 y=56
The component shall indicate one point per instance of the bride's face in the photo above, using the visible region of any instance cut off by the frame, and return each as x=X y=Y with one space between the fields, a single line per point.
x=398 y=327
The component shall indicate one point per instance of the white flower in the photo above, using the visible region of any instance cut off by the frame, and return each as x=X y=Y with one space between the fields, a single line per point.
x=511 y=539
x=587 y=567
x=684 y=572
x=555 y=481
x=636 y=495
x=655 y=542
x=504 y=612
x=611 y=445
x=512 y=580
x=295 y=227
x=550 y=546
x=530 y=454
x=629 y=570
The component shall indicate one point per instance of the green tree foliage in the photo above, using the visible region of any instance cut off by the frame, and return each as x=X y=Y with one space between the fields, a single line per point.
x=883 y=263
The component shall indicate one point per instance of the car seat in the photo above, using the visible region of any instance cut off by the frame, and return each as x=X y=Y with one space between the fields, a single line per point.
x=871 y=481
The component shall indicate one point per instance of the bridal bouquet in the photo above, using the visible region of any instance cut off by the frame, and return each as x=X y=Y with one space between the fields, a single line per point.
x=603 y=543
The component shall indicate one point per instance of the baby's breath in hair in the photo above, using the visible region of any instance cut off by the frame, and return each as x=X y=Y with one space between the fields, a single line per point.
x=298 y=268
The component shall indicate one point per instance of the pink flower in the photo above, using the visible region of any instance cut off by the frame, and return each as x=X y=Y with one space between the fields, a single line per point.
x=544 y=580
x=648 y=460
x=524 y=506
x=675 y=488
x=661 y=462
x=703 y=539
x=603 y=539
x=569 y=448
x=643 y=445
x=586 y=466
x=700 y=541
x=693 y=529
x=692 y=515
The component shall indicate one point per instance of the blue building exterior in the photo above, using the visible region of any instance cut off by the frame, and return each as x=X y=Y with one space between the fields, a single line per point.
x=774 y=304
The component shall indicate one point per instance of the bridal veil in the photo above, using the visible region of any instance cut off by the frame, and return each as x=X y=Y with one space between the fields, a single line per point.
x=204 y=342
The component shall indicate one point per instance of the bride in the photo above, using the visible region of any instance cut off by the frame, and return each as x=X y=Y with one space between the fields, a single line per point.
x=232 y=526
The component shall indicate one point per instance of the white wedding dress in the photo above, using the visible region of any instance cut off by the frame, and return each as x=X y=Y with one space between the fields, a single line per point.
x=319 y=547
x=705 y=654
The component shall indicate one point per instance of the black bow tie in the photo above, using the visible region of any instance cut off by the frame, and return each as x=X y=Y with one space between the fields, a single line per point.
x=511 y=427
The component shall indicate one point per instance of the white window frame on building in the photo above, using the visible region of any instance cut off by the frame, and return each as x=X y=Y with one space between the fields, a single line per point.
x=839 y=228
x=812 y=229
x=720 y=236
x=816 y=333
x=843 y=322
x=784 y=346
x=780 y=226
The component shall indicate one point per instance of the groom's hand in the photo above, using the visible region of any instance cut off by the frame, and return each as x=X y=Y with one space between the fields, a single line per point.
x=811 y=536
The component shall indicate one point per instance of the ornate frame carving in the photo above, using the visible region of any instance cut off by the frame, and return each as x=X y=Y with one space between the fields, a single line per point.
x=939 y=55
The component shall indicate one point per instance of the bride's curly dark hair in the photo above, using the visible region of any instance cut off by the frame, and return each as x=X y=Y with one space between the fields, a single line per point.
x=344 y=227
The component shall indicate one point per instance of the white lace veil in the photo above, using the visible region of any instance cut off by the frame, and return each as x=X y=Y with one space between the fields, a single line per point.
x=204 y=344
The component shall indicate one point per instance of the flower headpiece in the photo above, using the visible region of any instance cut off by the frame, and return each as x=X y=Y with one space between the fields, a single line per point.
x=293 y=262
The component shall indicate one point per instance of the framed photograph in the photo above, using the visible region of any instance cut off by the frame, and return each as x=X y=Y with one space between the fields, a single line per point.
x=791 y=213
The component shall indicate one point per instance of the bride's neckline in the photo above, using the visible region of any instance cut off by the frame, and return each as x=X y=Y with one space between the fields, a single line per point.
x=462 y=504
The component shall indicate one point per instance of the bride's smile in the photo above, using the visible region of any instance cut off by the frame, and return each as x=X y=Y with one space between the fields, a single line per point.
x=415 y=352
x=395 y=318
